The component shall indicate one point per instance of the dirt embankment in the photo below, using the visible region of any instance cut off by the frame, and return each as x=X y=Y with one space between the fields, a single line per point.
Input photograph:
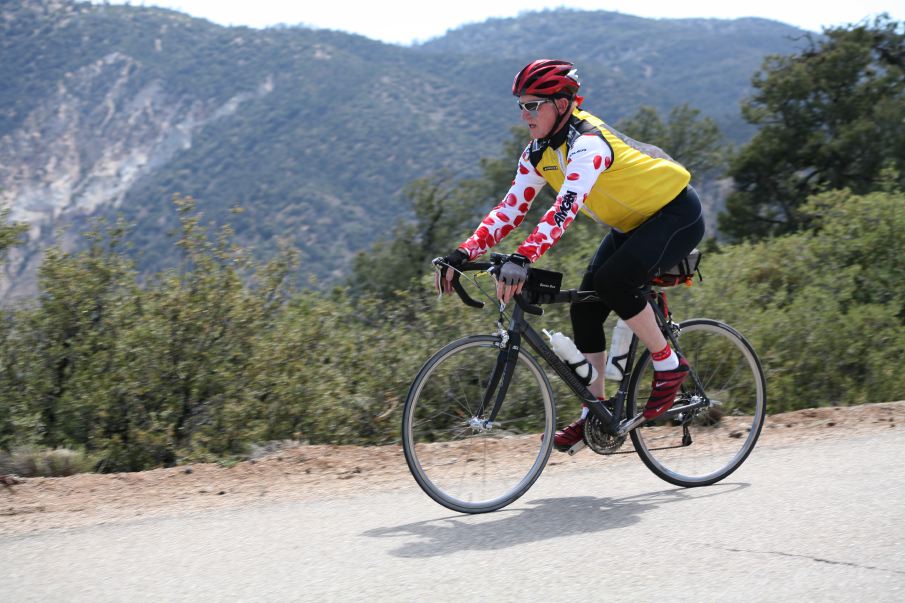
x=306 y=472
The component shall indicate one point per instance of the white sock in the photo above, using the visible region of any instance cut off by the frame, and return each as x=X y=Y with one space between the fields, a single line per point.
x=584 y=411
x=665 y=359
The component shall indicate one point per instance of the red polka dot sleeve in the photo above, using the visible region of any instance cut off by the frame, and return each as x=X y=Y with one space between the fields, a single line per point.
x=588 y=158
x=509 y=213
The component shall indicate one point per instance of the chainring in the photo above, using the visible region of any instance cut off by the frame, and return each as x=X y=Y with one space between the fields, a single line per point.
x=599 y=440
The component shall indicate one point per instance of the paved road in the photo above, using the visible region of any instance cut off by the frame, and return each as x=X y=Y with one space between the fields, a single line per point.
x=818 y=521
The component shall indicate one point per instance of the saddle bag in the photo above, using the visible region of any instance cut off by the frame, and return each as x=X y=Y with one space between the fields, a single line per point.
x=681 y=273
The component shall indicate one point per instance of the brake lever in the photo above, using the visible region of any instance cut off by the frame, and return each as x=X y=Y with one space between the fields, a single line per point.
x=439 y=263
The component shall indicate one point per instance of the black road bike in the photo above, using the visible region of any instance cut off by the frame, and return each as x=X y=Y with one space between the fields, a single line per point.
x=479 y=418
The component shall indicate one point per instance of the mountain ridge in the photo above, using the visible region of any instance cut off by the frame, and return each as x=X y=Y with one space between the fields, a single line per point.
x=113 y=109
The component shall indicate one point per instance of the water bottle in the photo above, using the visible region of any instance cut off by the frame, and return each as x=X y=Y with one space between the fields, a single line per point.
x=618 y=356
x=568 y=353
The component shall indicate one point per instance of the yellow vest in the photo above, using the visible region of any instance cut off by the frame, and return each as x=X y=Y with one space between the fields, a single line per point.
x=638 y=183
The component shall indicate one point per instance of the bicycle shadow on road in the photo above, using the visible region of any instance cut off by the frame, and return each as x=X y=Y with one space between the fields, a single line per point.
x=541 y=520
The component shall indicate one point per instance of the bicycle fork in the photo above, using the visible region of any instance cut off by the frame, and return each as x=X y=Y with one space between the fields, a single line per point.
x=510 y=344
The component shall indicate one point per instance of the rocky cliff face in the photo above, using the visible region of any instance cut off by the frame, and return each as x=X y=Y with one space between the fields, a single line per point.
x=83 y=148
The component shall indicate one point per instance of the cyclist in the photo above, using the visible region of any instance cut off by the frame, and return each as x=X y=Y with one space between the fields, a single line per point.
x=635 y=189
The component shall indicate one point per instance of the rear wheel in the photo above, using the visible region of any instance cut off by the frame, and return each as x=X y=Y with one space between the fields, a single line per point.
x=702 y=446
x=457 y=459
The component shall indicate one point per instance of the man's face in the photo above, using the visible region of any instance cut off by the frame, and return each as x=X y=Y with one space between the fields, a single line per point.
x=539 y=113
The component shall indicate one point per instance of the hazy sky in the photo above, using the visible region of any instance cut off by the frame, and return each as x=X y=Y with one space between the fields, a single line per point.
x=404 y=21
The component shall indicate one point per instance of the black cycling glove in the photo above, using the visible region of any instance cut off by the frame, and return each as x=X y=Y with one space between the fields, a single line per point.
x=456 y=258
x=515 y=270
x=453 y=260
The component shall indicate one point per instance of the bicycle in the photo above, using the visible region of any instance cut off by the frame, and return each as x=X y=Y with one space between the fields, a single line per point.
x=479 y=417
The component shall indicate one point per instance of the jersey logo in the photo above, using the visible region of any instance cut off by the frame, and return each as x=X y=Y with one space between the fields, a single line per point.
x=550 y=168
x=564 y=208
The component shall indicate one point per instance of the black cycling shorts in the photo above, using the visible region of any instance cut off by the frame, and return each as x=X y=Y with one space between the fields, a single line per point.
x=625 y=262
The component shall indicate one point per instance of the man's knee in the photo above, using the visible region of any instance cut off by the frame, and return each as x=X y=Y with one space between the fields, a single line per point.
x=587 y=326
x=619 y=285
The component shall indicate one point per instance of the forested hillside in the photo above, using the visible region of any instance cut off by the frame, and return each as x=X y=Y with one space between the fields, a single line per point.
x=124 y=366
x=110 y=110
x=630 y=61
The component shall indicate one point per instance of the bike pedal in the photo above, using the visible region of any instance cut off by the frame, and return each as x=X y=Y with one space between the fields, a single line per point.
x=576 y=448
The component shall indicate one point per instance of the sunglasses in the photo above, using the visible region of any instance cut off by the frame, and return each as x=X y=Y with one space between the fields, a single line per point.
x=534 y=106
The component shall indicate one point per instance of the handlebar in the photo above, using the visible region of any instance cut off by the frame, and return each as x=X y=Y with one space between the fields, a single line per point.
x=493 y=266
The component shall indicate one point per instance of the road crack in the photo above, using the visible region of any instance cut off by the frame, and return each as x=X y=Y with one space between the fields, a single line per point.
x=809 y=558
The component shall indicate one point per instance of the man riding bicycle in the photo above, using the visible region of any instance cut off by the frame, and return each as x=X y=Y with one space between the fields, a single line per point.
x=635 y=189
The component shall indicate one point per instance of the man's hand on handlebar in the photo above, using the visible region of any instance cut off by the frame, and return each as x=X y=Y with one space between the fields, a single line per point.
x=512 y=277
x=443 y=279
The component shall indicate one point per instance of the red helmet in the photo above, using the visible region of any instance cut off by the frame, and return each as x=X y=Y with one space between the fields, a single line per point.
x=547 y=77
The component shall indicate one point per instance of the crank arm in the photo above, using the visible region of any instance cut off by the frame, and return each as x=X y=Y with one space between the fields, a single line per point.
x=629 y=424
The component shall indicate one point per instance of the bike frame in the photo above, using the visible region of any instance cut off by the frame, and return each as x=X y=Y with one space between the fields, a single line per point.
x=613 y=422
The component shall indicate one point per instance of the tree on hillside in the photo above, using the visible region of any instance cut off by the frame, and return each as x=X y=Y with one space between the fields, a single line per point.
x=10 y=233
x=830 y=117
x=444 y=211
x=694 y=141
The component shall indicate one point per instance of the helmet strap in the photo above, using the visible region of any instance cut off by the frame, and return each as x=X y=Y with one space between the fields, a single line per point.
x=561 y=118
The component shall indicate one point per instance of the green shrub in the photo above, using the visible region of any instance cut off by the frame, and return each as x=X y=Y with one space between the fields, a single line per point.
x=36 y=462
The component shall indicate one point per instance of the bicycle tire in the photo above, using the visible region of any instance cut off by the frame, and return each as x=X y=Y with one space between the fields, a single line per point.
x=721 y=435
x=441 y=442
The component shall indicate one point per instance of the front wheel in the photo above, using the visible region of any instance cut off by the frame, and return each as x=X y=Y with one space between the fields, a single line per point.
x=457 y=458
x=727 y=388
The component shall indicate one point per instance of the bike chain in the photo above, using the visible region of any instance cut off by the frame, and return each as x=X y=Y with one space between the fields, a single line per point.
x=606 y=444
x=599 y=441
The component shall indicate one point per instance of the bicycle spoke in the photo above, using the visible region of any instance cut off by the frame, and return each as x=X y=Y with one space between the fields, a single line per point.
x=460 y=461
x=433 y=418
x=729 y=378
x=461 y=385
x=708 y=443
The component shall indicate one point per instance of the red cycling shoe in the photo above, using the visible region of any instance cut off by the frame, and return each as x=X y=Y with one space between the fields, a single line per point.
x=568 y=437
x=664 y=389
